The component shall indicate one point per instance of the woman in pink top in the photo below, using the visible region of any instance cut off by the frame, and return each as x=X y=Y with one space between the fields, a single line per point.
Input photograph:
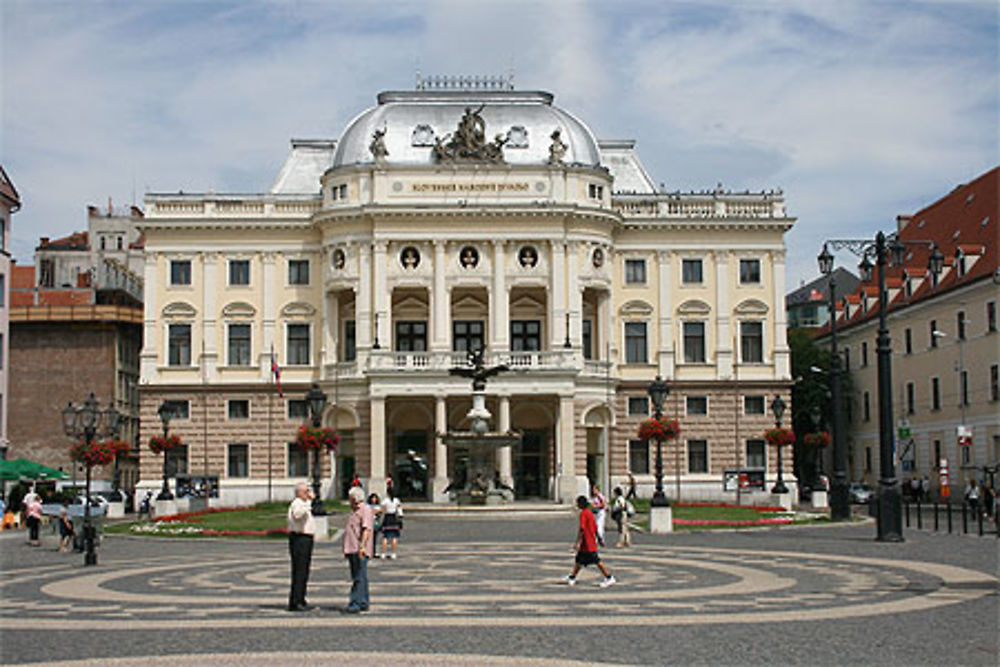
x=34 y=512
x=600 y=504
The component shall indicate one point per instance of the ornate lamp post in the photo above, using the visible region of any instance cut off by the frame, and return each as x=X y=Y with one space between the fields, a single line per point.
x=840 y=501
x=316 y=400
x=817 y=419
x=166 y=413
x=883 y=249
x=778 y=408
x=89 y=422
x=658 y=391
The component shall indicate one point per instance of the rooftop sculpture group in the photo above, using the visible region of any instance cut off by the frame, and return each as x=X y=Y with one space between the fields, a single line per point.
x=468 y=142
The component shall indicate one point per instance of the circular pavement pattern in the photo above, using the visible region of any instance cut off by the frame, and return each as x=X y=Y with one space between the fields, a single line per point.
x=455 y=585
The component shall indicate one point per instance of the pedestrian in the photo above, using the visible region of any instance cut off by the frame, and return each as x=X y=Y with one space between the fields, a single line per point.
x=376 y=506
x=925 y=488
x=358 y=545
x=620 y=513
x=972 y=497
x=392 y=523
x=600 y=505
x=915 y=488
x=632 y=495
x=65 y=530
x=301 y=533
x=33 y=511
x=388 y=485
x=586 y=546
x=989 y=498
x=146 y=505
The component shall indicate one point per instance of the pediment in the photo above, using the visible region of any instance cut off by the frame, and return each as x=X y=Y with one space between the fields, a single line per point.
x=179 y=309
x=694 y=307
x=239 y=309
x=752 y=307
x=469 y=302
x=636 y=307
x=409 y=301
x=298 y=309
x=526 y=301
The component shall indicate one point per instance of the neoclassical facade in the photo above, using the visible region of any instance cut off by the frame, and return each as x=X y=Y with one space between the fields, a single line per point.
x=444 y=220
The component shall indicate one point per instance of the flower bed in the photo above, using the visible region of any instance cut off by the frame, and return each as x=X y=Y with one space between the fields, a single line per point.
x=767 y=521
x=184 y=516
x=757 y=508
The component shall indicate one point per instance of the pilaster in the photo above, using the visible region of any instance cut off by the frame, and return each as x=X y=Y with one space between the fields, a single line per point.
x=557 y=296
x=209 y=332
x=440 y=300
x=723 y=333
x=269 y=314
x=376 y=479
x=499 y=302
x=665 y=356
x=440 y=481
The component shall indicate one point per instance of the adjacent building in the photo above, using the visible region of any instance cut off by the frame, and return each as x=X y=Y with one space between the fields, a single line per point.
x=445 y=219
x=10 y=202
x=945 y=345
x=808 y=307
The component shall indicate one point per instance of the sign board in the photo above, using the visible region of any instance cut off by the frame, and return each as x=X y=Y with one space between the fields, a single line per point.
x=743 y=479
x=964 y=436
x=903 y=431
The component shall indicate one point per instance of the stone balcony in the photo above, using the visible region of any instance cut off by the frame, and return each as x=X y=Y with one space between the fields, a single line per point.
x=386 y=362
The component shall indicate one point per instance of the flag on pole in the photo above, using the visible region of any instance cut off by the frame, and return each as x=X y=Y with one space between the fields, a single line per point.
x=276 y=371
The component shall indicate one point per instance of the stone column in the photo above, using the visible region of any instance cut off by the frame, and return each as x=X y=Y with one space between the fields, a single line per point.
x=440 y=481
x=381 y=296
x=331 y=328
x=782 y=361
x=439 y=301
x=723 y=342
x=376 y=479
x=575 y=293
x=665 y=357
x=209 y=316
x=505 y=454
x=150 y=348
x=269 y=317
x=499 y=302
x=568 y=484
x=363 y=301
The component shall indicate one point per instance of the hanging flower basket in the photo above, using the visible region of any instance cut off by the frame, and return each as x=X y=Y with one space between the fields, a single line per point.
x=818 y=439
x=659 y=429
x=779 y=437
x=159 y=444
x=310 y=438
x=97 y=453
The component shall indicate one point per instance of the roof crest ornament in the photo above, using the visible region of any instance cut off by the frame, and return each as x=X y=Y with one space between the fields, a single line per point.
x=466 y=83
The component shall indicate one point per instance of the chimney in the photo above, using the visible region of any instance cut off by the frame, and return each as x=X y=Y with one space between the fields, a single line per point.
x=92 y=211
x=902 y=221
x=43 y=242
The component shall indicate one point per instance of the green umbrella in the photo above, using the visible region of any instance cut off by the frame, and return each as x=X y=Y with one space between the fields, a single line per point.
x=25 y=469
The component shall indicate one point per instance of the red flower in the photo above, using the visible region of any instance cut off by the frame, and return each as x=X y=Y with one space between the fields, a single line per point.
x=780 y=437
x=97 y=453
x=659 y=429
x=818 y=439
x=317 y=438
x=158 y=443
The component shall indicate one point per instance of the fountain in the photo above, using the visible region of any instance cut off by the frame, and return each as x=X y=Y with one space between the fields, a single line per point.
x=482 y=484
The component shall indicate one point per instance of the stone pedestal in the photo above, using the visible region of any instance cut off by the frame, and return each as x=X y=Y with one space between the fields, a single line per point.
x=322 y=528
x=783 y=500
x=820 y=501
x=661 y=519
x=164 y=508
x=568 y=487
x=438 y=486
x=116 y=510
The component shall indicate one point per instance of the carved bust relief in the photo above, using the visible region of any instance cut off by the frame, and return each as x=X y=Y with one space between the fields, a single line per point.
x=527 y=256
x=338 y=259
x=597 y=258
x=469 y=257
x=409 y=257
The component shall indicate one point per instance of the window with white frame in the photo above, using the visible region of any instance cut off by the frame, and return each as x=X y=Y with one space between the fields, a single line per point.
x=298 y=460
x=238 y=460
x=935 y=393
x=238 y=408
x=754 y=405
x=298 y=409
x=911 y=398
x=867 y=407
x=635 y=271
x=697 y=456
x=239 y=344
x=176 y=461
x=995 y=382
x=694 y=342
x=179 y=345
x=635 y=343
x=696 y=405
x=691 y=271
x=638 y=457
x=638 y=405
x=298 y=272
x=749 y=271
x=180 y=272
x=752 y=342
x=180 y=409
x=297 y=348
x=756 y=452
x=239 y=272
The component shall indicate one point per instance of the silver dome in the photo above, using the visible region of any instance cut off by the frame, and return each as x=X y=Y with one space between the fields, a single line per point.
x=412 y=119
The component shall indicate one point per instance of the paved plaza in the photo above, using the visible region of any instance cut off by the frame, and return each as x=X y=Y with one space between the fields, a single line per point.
x=487 y=590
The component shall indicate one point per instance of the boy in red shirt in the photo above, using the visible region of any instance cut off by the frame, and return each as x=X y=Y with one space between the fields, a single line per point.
x=586 y=545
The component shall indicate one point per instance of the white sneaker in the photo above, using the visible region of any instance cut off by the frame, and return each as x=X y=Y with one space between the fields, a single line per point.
x=382 y=556
x=393 y=556
x=570 y=581
x=610 y=581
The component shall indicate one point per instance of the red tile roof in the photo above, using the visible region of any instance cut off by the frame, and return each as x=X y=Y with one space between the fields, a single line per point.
x=75 y=241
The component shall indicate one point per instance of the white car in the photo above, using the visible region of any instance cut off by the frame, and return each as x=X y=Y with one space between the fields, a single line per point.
x=860 y=493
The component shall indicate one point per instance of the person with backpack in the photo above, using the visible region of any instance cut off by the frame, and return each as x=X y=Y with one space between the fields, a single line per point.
x=620 y=512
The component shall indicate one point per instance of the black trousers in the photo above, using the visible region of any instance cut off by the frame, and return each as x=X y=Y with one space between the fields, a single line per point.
x=300 y=547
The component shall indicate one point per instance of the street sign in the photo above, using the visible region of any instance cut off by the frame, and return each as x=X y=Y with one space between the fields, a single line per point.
x=964 y=436
x=903 y=430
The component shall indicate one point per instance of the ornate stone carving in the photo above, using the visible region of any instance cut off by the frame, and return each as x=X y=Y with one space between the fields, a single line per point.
x=377 y=146
x=468 y=142
x=557 y=150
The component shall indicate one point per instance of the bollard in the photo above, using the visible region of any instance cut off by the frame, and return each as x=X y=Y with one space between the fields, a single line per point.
x=965 y=518
x=948 y=508
x=936 y=524
x=920 y=518
x=979 y=517
x=907 y=506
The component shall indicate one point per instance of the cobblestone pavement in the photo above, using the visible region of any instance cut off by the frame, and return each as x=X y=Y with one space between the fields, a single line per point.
x=466 y=589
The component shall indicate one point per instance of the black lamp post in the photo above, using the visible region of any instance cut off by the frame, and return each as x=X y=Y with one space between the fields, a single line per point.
x=658 y=391
x=840 y=501
x=817 y=420
x=88 y=421
x=316 y=400
x=883 y=249
x=166 y=412
x=778 y=408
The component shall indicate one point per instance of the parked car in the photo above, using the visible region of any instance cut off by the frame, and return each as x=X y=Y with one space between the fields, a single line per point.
x=860 y=493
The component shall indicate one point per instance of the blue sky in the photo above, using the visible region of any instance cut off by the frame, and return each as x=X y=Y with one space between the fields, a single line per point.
x=859 y=111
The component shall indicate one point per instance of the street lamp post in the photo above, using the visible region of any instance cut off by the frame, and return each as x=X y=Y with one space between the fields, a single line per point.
x=890 y=498
x=90 y=422
x=316 y=400
x=658 y=391
x=778 y=408
x=166 y=413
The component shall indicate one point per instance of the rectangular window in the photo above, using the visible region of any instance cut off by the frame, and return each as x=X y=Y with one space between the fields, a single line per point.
x=525 y=335
x=239 y=344
x=3 y=290
x=120 y=242
x=756 y=454
x=868 y=459
x=638 y=405
x=638 y=457
x=179 y=345
x=595 y=191
x=239 y=272
x=177 y=461
x=908 y=340
x=847 y=358
x=697 y=456
x=298 y=345
x=753 y=405
x=937 y=454
x=46 y=273
x=963 y=386
x=966 y=455
x=697 y=405
x=933 y=330
x=411 y=336
x=867 y=407
x=587 y=336
x=752 y=342
x=960 y=324
x=635 y=343
x=635 y=271
x=239 y=460
x=467 y=335
x=298 y=272
x=180 y=272
x=694 y=342
x=298 y=409
x=935 y=394
x=350 y=340
x=239 y=409
x=298 y=461
x=864 y=353
x=180 y=409
x=691 y=271
x=991 y=316
x=911 y=398
x=749 y=271
x=1 y=351
x=995 y=382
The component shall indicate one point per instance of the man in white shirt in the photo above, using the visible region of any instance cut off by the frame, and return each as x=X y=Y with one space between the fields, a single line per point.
x=301 y=529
